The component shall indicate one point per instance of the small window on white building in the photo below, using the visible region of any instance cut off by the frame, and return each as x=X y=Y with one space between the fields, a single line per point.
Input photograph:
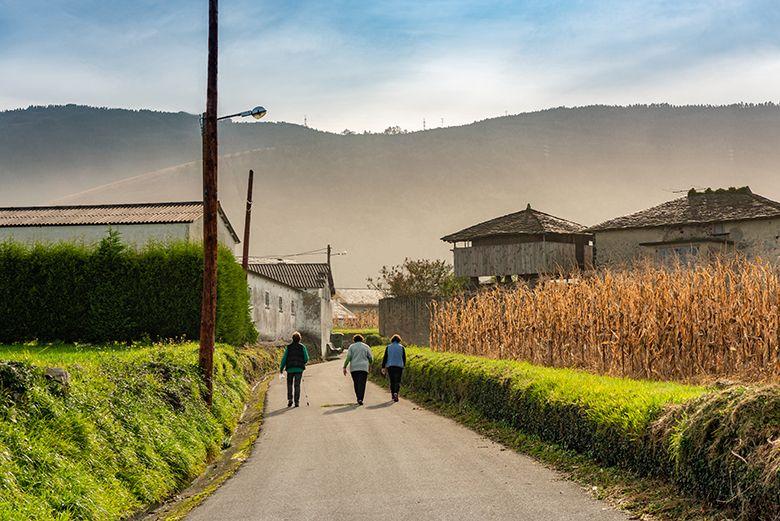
x=281 y=305
x=292 y=307
x=267 y=299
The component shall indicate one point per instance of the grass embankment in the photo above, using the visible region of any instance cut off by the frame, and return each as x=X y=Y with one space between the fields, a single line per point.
x=371 y=336
x=352 y=331
x=130 y=429
x=720 y=445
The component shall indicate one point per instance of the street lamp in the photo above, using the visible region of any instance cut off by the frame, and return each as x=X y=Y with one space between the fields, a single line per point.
x=208 y=309
x=257 y=113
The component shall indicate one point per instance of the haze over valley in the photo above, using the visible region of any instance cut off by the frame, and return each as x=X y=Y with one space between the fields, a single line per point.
x=382 y=196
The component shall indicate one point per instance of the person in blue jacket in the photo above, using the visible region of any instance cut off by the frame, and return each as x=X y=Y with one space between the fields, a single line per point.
x=393 y=364
x=294 y=360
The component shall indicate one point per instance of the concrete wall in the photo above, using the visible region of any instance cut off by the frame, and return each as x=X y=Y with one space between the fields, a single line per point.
x=270 y=323
x=135 y=234
x=223 y=233
x=755 y=238
x=409 y=317
x=319 y=316
x=313 y=315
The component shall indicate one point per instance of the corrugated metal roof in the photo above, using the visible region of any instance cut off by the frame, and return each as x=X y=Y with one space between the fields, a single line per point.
x=528 y=221
x=133 y=213
x=699 y=208
x=359 y=296
x=339 y=311
x=300 y=276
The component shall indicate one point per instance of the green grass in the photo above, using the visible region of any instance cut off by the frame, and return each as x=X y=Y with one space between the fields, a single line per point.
x=351 y=332
x=131 y=429
x=719 y=445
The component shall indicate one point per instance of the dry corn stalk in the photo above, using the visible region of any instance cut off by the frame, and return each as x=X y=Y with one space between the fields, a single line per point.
x=714 y=320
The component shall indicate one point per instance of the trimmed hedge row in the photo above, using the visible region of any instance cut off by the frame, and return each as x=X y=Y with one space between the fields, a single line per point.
x=721 y=445
x=109 y=292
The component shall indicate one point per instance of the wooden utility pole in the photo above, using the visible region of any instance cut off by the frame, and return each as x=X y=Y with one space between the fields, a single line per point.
x=208 y=310
x=247 y=221
x=329 y=255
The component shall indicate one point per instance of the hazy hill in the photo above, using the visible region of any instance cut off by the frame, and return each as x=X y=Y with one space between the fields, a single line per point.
x=384 y=197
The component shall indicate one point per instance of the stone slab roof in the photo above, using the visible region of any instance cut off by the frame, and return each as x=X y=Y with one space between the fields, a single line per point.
x=89 y=214
x=526 y=222
x=708 y=206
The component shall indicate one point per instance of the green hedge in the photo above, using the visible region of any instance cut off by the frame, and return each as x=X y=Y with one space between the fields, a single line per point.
x=684 y=433
x=131 y=429
x=109 y=292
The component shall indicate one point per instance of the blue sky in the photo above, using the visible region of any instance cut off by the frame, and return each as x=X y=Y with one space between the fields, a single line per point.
x=367 y=65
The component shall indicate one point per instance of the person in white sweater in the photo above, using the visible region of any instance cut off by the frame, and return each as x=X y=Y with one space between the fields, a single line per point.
x=359 y=358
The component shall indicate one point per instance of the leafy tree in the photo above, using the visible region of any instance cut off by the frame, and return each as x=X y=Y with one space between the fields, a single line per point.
x=394 y=130
x=422 y=277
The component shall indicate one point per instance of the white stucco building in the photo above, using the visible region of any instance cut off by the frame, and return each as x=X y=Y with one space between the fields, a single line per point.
x=287 y=296
x=137 y=223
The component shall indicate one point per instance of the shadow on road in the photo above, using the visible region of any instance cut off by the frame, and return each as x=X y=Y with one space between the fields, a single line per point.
x=346 y=408
x=380 y=405
x=277 y=412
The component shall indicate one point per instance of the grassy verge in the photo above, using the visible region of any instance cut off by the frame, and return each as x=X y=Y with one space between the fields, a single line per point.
x=129 y=430
x=715 y=444
x=351 y=332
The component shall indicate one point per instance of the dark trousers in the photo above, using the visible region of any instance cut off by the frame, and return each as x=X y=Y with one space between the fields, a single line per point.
x=359 y=379
x=294 y=379
x=395 y=374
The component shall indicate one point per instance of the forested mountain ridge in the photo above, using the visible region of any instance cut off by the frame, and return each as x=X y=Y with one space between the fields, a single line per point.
x=384 y=197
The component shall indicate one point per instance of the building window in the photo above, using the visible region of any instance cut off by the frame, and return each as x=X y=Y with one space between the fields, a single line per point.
x=281 y=305
x=267 y=299
x=718 y=229
x=292 y=307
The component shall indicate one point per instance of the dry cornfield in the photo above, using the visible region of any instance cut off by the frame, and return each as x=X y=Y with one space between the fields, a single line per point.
x=362 y=320
x=672 y=323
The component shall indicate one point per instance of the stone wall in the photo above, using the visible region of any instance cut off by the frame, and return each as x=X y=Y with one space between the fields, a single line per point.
x=409 y=317
x=755 y=238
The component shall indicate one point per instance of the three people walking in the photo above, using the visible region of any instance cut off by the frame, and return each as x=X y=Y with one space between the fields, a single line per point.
x=294 y=360
x=359 y=358
x=393 y=364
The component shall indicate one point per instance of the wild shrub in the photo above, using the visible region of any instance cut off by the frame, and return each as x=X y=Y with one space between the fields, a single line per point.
x=110 y=292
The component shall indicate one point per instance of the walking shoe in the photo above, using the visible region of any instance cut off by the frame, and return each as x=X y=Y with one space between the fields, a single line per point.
x=289 y=403
x=395 y=397
x=360 y=402
x=296 y=404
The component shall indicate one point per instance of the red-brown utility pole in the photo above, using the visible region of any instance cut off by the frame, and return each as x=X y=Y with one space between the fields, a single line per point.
x=208 y=310
x=247 y=221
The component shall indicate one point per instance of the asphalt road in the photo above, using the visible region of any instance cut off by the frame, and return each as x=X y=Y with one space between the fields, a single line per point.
x=385 y=461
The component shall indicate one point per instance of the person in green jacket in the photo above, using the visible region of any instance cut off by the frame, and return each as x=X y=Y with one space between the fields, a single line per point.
x=294 y=360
